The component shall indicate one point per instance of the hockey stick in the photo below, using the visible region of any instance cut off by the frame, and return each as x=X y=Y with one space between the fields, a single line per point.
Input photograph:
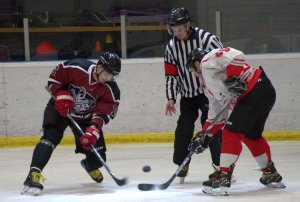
x=149 y=187
x=120 y=182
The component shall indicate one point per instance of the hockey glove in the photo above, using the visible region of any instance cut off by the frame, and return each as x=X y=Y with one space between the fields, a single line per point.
x=235 y=86
x=64 y=102
x=91 y=136
x=199 y=143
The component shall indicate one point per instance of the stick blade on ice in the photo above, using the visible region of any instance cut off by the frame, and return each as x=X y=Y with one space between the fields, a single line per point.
x=121 y=182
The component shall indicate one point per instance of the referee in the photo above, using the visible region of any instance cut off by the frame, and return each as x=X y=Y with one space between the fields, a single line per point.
x=186 y=38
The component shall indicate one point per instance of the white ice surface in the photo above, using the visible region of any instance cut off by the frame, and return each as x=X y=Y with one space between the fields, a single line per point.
x=67 y=181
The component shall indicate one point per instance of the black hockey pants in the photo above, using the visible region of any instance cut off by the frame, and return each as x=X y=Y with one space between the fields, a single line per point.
x=189 y=113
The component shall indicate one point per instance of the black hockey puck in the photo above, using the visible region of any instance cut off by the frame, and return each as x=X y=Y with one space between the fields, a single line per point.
x=146 y=168
x=146 y=187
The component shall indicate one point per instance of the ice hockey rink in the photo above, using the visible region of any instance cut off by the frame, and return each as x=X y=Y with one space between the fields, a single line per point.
x=67 y=181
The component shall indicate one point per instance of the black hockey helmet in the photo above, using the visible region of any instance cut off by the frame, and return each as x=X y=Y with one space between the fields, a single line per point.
x=110 y=62
x=194 y=56
x=179 y=16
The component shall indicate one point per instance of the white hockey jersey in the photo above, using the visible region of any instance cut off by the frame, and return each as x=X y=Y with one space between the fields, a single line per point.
x=216 y=67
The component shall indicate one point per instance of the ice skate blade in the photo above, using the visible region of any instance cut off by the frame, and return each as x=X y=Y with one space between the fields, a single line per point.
x=233 y=179
x=276 y=185
x=207 y=190
x=222 y=191
x=31 y=191
x=181 y=180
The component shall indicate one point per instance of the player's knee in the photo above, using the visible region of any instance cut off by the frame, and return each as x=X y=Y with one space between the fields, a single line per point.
x=53 y=134
x=48 y=143
x=231 y=142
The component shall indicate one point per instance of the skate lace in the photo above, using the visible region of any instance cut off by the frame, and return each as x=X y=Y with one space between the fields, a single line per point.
x=216 y=168
x=37 y=177
x=215 y=174
x=95 y=174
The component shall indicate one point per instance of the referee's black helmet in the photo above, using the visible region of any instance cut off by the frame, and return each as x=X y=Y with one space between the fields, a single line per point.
x=179 y=16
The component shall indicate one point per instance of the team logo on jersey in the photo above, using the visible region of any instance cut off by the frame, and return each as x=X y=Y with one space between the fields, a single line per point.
x=83 y=101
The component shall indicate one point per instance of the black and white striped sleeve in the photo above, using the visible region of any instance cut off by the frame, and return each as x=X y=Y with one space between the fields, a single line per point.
x=171 y=75
x=209 y=41
x=172 y=87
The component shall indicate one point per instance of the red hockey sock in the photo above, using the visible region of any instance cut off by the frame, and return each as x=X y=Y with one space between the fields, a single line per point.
x=231 y=149
x=260 y=150
x=231 y=142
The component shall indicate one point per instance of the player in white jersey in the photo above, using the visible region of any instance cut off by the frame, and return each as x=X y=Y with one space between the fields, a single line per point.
x=247 y=97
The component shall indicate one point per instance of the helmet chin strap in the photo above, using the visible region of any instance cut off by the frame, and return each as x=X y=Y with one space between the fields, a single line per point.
x=98 y=74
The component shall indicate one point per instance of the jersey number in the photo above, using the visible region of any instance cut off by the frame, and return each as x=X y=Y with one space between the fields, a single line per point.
x=221 y=52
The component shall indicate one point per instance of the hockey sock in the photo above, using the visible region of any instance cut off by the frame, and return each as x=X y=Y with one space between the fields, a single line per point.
x=231 y=149
x=42 y=154
x=260 y=150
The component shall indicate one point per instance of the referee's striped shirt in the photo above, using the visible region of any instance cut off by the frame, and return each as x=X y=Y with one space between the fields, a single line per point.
x=178 y=78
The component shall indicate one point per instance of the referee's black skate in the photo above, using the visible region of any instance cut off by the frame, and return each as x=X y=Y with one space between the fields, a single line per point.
x=95 y=174
x=271 y=178
x=32 y=184
x=183 y=173
x=222 y=181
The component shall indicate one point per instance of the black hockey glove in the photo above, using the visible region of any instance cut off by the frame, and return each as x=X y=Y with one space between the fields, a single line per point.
x=235 y=86
x=199 y=143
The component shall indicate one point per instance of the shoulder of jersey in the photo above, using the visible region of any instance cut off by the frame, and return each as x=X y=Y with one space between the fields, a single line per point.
x=83 y=63
x=114 y=88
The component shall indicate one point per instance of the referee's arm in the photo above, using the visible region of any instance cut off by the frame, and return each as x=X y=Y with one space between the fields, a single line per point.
x=211 y=42
x=171 y=75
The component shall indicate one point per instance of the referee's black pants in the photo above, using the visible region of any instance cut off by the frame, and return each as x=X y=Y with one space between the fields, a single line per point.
x=189 y=113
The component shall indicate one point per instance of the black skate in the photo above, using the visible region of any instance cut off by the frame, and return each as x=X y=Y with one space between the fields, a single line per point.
x=95 y=174
x=32 y=185
x=217 y=173
x=272 y=178
x=183 y=173
x=221 y=180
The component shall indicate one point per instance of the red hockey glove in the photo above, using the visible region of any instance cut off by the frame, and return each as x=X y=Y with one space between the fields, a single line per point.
x=63 y=102
x=91 y=136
